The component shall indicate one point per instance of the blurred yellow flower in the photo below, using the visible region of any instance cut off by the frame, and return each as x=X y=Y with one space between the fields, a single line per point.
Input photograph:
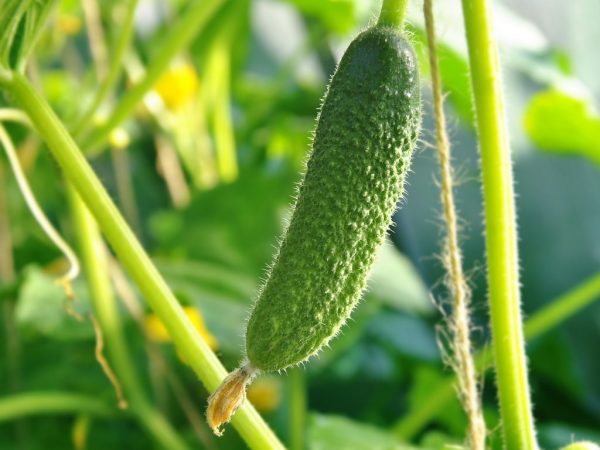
x=80 y=432
x=68 y=24
x=158 y=333
x=178 y=86
x=119 y=138
x=265 y=394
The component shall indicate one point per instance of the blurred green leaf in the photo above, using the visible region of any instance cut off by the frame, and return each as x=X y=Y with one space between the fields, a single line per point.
x=349 y=336
x=337 y=15
x=327 y=432
x=426 y=377
x=434 y=440
x=234 y=225
x=21 y=27
x=561 y=123
x=556 y=435
x=454 y=70
x=11 y=14
x=41 y=307
x=406 y=334
x=209 y=277
x=552 y=358
x=222 y=295
x=395 y=282
x=365 y=361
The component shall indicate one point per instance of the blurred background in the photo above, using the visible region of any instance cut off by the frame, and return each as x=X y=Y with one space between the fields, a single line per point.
x=205 y=170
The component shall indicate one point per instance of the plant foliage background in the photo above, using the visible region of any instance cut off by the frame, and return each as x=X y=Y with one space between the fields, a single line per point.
x=206 y=181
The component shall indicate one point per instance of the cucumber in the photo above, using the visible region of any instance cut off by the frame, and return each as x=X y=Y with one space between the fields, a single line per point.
x=366 y=131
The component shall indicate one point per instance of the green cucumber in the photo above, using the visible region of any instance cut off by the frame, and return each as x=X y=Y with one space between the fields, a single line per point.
x=365 y=135
x=366 y=131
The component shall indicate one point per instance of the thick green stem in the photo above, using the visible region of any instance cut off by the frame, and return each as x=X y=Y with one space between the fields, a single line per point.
x=181 y=34
x=392 y=13
x=116 y=62
x=557 y=311
x=36 y=403
x=219 y=64
x=500 y=226
x=133 y=257
x=95 y=263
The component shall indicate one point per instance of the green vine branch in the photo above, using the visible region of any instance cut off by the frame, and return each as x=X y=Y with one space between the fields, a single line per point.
x=114 y=69
x=500 y=230
x=95 y=263
x=37 y=403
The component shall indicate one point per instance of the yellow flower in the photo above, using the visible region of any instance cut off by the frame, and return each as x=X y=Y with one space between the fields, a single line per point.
x=265 y=394
x=68 y=24
x=80 y=432
x=158 y=333
x=178 y=86
x=118 y=138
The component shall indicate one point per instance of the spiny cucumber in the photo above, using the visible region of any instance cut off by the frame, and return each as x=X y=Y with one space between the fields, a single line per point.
x=366 y=131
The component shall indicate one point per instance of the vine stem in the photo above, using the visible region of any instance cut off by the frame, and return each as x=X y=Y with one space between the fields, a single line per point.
x=392 y=13
x=38 y=213
x=77 y=170
x=95 y=263
x=298 y=407
x=114 y=69
x=34 y=403
x=500 y=226
x=459 y=323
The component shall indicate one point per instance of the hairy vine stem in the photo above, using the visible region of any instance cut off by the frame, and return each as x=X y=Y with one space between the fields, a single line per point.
x=460 y=324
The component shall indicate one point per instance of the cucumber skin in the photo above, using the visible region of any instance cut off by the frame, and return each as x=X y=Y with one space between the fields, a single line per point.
x=366 y=131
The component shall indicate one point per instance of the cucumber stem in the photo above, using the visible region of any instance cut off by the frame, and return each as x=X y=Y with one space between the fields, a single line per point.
x=500 y=225
x=392 y=13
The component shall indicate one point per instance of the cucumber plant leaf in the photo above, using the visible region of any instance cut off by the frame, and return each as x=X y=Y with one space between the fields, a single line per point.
x=40 y=308
x=22 y=22
x=561 y=123
x=329 y=431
